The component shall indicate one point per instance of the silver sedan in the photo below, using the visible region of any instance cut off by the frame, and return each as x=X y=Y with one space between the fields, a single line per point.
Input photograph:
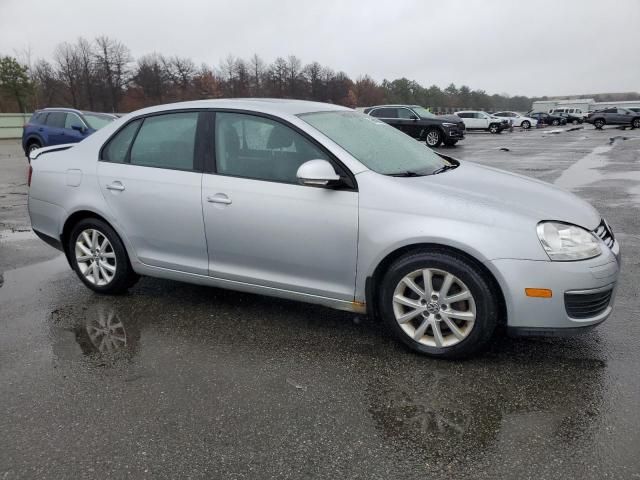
x=322 y=204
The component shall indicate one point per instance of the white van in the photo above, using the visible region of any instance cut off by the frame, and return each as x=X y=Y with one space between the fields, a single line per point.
x=571 y=110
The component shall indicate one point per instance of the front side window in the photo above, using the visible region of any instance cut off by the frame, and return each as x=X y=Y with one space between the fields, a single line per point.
x=56 y=119
x=118 y=147
x=423 y=112
x=405 y=113
x=376 y=145
x=255 y=147
x=166 y=141
x=73 y=121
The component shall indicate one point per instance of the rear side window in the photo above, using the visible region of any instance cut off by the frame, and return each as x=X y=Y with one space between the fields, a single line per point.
x=118 y=147
x=166 y=141
x=385 y=113
x=56 y=119
x=38 y=118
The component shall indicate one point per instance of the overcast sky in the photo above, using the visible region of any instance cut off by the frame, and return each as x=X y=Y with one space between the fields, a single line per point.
x=536 y=47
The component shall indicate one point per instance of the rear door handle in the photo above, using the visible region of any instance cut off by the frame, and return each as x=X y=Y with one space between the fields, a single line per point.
x=118 y=186
x=219 y=198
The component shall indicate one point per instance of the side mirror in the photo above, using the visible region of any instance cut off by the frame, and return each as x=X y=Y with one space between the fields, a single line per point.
x=79 y=128
x=317 y=173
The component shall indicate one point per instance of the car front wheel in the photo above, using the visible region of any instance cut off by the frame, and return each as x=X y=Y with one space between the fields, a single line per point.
x=99 y=257
x=494 y=128
x=598 y=124
x=434 y=138
x=439 y=304
x=555 y=123
x=636 y=123
x=526 y=124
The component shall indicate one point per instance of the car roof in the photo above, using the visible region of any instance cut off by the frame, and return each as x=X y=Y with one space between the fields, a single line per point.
x=394 y=105
x=73 y=110
x=276 y=106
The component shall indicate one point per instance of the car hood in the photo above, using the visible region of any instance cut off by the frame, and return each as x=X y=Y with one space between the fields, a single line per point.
x=510 y=193
x=450 y=118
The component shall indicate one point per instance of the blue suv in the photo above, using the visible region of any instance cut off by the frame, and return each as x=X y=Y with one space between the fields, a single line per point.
x=54 y=126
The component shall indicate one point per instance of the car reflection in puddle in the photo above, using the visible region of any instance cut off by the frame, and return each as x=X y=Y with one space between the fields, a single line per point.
x=99 y=330
x=489 y=405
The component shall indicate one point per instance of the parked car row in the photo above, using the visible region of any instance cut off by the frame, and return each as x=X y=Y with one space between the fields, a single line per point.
x=420 y=123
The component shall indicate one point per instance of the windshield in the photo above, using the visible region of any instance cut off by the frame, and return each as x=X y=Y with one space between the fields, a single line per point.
x=97 y=121
x=423 y=112
x=375 y=144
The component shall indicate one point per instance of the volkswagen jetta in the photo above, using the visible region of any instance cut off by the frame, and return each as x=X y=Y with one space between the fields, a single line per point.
x=322 y=204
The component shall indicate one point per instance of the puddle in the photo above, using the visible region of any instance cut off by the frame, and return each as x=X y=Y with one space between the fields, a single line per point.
x=584 y=171
x=17 y=235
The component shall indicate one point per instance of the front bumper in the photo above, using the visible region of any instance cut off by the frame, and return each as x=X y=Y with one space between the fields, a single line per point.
x=531 y=315
x=454 y=134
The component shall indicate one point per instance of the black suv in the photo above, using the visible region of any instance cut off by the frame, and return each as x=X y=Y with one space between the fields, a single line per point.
x=547 y=119
x=420 y=123
x=614 y=116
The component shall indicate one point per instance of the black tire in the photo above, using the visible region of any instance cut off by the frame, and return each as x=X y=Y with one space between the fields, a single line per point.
x=481 y=288
x=599 y=123
x=575 y=122
x=450 y=143
x=124 y=276
x=433 y=138
x=494 y=128
x=635 y=123
x=32 y=145
x=526 y=124
x=555 y=123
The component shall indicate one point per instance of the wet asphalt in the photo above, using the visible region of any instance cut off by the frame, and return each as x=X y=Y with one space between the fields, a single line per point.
x=181 y=381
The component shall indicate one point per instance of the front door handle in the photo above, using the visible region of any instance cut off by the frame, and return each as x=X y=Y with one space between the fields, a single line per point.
x=118 y=186
x=219 y=198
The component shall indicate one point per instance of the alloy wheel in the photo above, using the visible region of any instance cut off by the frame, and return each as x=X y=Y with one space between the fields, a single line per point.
x=95 y=257
x=434 y=307
x=432 y=138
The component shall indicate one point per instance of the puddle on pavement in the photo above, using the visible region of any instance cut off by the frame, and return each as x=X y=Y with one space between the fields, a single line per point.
x=15 y=235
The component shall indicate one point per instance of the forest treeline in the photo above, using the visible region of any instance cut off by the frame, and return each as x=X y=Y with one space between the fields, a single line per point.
x=102 y=75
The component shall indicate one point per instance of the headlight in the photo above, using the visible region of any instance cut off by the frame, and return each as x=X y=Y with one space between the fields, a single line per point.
x=447 y=124
x=564 y=242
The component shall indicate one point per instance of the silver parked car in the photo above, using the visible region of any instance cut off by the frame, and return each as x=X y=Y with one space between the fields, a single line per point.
x=326 y=205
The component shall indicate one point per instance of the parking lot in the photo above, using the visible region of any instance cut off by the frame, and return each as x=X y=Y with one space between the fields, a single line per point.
x=195 y=382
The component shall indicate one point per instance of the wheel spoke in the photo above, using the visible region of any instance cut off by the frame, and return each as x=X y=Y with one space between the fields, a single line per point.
x=104 y=243
x=408 y=316
x=412 y=285
x=83 y=248
x=407 y=302
x=427 y=276
x=437 y=333
x=467 y=316
x=446 y=285
x=84 y=258
x=419 y=333
x=87 y=239
x=108 y=267
x=453 y=327
x=94 y=239
x=109 y=255
x=104 y=274
x=458 y=297
x=95 y=272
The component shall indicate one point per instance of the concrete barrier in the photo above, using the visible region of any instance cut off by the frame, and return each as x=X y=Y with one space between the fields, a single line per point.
x=11 y=124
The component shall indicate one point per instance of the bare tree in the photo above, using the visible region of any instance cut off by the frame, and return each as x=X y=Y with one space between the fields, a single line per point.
x=112 y=59
x=69 y=70
x=294 y=66
x=86 y=58
x=151 y=76
x=47 y=85
x=256 y=67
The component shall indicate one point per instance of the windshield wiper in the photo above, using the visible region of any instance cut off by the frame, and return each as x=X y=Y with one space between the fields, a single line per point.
x=444 y=168
x=407 y=173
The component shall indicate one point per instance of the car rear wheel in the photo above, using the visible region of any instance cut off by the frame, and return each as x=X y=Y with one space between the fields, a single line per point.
x=598 y=124
x=439 y=304
x=33 y=145
x=434 y=138
x=636 y=123
x=99 y=257
x=575 y=122
x=526 y=124
x=555 y=123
